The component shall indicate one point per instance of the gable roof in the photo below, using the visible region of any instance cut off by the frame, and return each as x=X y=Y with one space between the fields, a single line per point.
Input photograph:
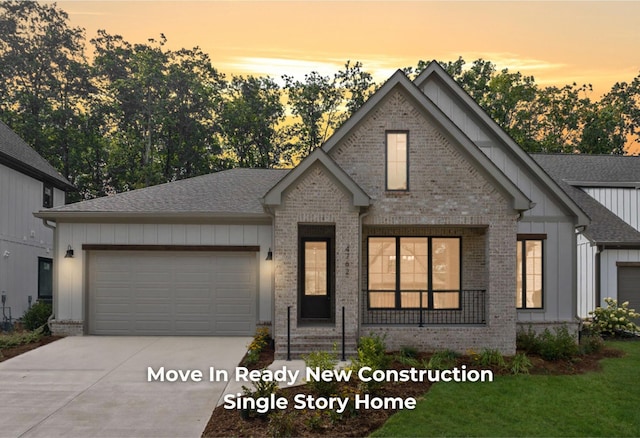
x=359 y=197
x=400 y=81
x=18 y=155
x=435 y=71
x=568 y=170
x=230 y=193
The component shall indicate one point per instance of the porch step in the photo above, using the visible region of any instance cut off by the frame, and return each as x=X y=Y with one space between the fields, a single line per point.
x=303 y=345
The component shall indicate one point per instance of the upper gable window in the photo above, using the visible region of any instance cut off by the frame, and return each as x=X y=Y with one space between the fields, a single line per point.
x=47 y=196
x=397 y=160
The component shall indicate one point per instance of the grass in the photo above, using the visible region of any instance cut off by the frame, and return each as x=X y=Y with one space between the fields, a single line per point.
x=593 y=404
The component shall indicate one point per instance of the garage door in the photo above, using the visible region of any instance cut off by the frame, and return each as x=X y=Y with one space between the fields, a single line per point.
x=629 y=287
x=172 y=293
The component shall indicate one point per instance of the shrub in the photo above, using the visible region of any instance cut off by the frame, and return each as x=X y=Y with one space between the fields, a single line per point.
x=260 y=341
x=591 y=343
x=408 y=356
x=520 y=364
x=323 y=360
x=371 y=353
x=528 y=340
x=561 y=345
x=490 y=358
x=37 y=316
x=614 y=319
x=282 y=424
x=261 y=388
x=443 y=360
x=409 y=352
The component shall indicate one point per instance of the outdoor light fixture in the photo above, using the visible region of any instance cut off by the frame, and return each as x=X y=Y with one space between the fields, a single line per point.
x=69 y=254
x=269 y=255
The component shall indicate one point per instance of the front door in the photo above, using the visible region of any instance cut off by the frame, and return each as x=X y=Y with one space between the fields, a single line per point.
x=316 y=275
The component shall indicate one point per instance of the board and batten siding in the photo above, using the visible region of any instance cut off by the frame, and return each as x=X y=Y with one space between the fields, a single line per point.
x=623 y=202
x=558 y=272
x=586 y=276
x=70 y=274
x=22 y=236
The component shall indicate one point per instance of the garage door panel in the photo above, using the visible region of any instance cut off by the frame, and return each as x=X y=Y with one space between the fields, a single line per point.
x=629 y=287
x=170 y=293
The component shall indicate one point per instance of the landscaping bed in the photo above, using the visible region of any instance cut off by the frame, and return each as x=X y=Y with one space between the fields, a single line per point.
x=17 y=343
x=292 y=422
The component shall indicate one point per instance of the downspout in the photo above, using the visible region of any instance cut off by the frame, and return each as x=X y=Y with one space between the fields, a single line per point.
x=51 y=317
x=599 y=249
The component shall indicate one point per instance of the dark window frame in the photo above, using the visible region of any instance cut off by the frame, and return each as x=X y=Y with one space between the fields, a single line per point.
x=523 y=291
x=47 y=199
x=430 y=291
x=386 y=160
x=46 y=298
x=317 y=233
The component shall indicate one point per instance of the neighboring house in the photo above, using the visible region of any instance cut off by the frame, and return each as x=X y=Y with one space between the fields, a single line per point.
x=28 y=183
x=607 y=188
x=419 y=219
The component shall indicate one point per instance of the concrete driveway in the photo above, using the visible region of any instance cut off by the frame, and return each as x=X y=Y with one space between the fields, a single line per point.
x=97 y=386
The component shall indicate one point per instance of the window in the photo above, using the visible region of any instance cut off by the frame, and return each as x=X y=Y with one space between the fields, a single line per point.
x=316 y=273
x=414 y=272
x=529 y=272
x=47 y=196
x=45 y=279
x=397 y=160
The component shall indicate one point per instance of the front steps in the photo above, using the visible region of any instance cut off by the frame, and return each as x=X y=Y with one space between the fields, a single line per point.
x=305 y=344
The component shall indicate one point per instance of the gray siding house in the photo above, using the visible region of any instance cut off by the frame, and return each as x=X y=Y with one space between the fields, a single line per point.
x=28 y=183
x=607 y=187
x=419 y=220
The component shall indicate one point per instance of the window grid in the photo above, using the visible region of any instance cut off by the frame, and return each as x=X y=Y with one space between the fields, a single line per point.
x=410 y=284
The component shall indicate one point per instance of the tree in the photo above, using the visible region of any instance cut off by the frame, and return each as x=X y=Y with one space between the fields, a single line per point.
x=249 y=119
x=159 y=107
x=44 y=81
x=315 y=102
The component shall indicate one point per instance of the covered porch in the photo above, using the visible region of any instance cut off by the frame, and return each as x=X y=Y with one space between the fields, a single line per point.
x=424 y=275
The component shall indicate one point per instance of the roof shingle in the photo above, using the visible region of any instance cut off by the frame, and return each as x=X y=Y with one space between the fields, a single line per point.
x=15 y=152
x=230 y=192
x=572 y=170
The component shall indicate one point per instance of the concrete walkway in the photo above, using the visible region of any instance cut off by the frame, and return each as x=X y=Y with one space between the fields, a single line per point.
x=97 y=387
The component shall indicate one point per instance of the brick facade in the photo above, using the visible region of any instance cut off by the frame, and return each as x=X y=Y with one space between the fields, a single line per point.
x=316 y=199
x=447 y=196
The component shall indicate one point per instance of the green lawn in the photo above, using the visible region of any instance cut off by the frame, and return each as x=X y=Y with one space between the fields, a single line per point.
x=603 y=403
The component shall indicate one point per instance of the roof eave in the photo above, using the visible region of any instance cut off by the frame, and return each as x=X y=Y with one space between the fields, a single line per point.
x=149 y=216
x=434 y=68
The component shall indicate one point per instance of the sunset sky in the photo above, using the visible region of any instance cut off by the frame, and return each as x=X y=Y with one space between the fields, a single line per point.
x=557 y=42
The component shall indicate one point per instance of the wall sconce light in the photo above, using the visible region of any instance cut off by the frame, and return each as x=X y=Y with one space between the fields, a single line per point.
x=269 y=255
x=69 y=254
x=6 y=254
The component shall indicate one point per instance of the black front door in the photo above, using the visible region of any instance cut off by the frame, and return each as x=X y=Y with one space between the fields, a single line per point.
x=316 y=282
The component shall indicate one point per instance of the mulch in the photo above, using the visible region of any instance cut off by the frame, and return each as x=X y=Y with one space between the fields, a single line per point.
x=355 y=423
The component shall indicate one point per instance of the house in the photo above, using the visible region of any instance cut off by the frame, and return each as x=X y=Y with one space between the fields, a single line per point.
x=419 y=220
x=28 y=183
x=606 y=187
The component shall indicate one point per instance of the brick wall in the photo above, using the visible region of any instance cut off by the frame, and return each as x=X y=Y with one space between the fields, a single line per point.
x=317 y=198
x=448 y=196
